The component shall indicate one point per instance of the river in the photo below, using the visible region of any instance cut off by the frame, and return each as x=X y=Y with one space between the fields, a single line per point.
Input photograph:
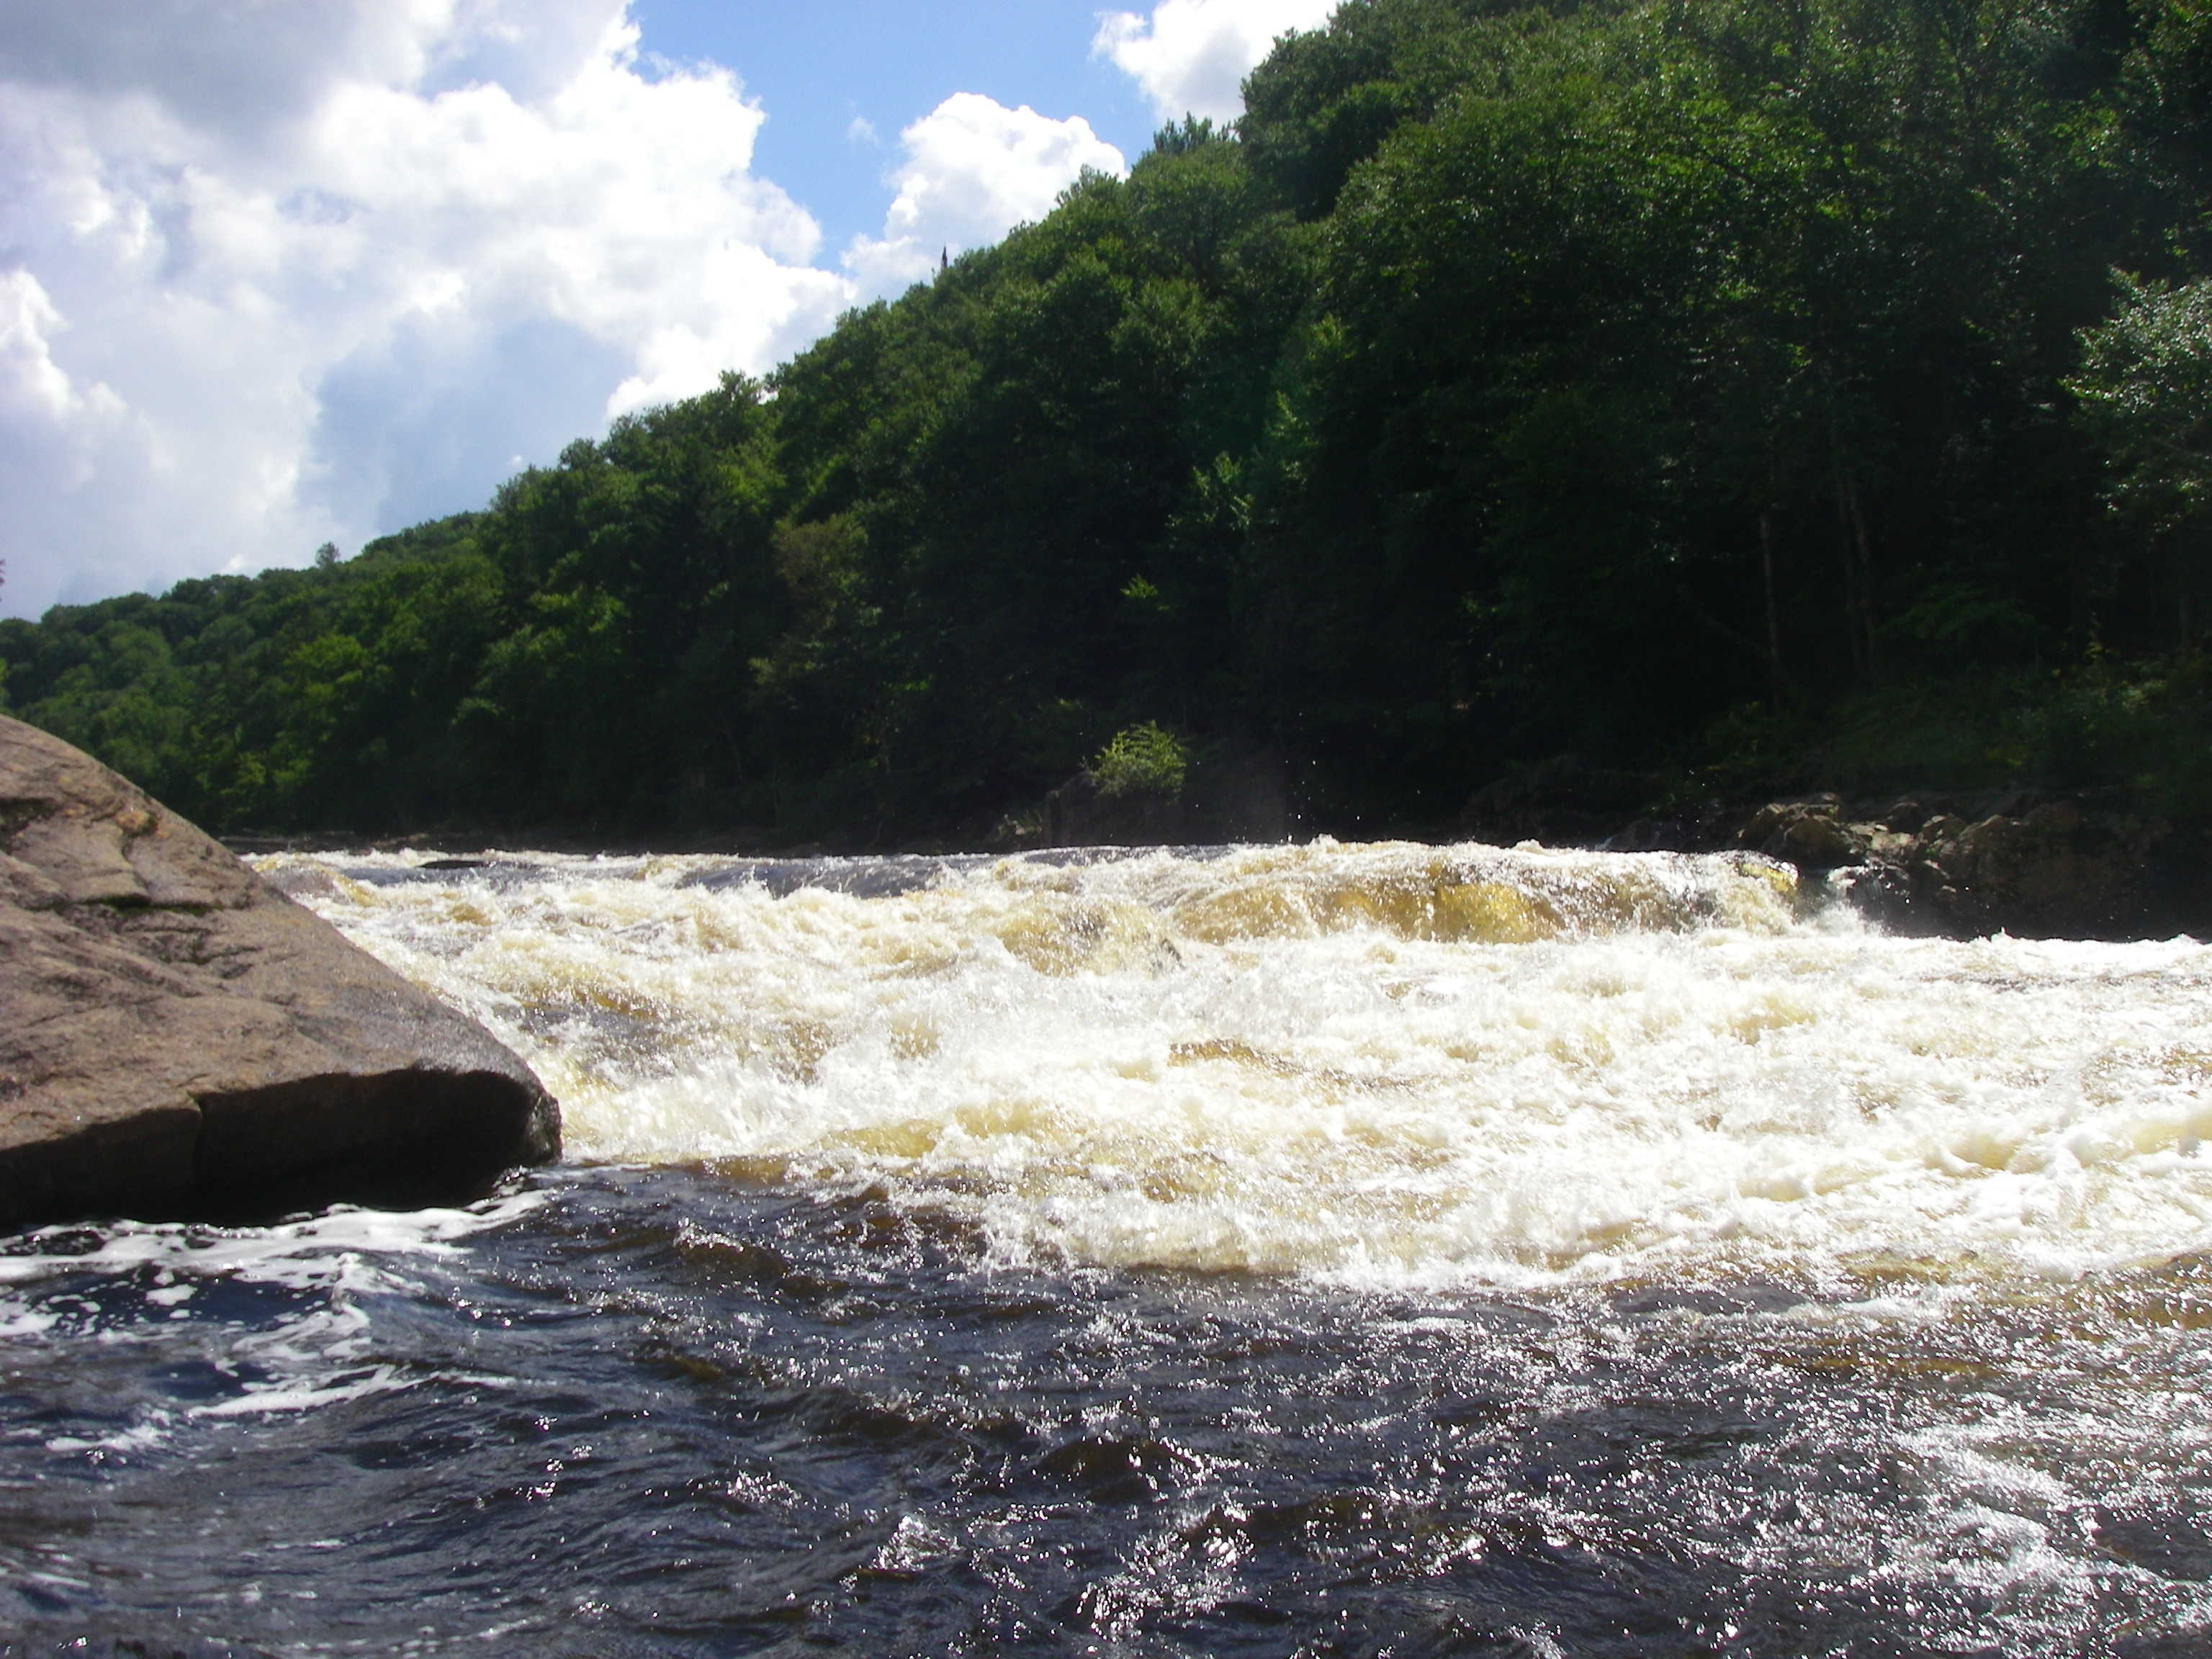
x=1344 y=1250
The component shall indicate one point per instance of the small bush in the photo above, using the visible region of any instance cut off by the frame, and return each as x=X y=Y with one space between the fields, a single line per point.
x=1144 y=760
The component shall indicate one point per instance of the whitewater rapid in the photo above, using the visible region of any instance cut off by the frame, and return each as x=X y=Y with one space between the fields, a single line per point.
x=1375 y=1065
x=1378 y=1249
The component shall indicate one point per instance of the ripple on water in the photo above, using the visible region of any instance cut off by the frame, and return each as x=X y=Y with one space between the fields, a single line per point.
x=669 y=1409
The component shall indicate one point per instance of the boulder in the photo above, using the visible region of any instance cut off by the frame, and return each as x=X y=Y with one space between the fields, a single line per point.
x=1813 y=834
x=2054 y=870
x=178 y=1039
x=2047 y=869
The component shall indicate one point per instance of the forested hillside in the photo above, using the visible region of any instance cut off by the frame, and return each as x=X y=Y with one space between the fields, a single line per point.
x=1812 y=390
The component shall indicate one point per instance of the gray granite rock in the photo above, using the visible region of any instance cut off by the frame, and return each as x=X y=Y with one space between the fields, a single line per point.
x=177 y=1037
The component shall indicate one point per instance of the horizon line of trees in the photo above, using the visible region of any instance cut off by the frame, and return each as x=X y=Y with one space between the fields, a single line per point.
x=1511 y=379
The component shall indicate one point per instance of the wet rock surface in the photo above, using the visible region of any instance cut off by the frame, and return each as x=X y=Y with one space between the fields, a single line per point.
x=178 y=1038
x=2023 y=862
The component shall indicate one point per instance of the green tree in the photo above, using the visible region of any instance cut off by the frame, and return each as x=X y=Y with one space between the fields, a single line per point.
x=2145 y=392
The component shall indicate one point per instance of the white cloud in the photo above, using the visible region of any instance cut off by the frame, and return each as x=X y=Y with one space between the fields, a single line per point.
x=1190 y=56
x=974 y=169
x=29 y=380
x=862 y=130
x=272 y=275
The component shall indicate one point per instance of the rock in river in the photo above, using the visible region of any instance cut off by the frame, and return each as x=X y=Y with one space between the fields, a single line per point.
x=178 y=1039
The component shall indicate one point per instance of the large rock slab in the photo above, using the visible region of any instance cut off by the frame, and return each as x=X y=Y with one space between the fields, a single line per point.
x=2052 y=870
x=178 y=1039
x=2036 y=868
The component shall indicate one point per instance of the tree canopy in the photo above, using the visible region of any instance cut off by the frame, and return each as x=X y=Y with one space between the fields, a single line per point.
x=1511 y=379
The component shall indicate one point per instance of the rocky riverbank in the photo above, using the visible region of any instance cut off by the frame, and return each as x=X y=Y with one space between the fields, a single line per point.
x=178 y=1038
x=2020 y=861
x=2031 y=863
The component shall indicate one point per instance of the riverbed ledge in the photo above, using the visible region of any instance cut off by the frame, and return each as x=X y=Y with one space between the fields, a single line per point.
x=177 y=1039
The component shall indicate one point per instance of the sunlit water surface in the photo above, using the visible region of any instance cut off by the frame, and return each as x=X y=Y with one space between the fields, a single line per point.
x=1327 y=1251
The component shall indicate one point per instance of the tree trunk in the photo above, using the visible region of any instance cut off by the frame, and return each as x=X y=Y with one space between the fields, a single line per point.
x=1858 y=563
x=1863 y=547
x=1773 y=615
x=1852 y=633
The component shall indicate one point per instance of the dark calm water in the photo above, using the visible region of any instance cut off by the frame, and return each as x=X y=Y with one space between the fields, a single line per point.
x=1327 y=1251
x=664 y=1413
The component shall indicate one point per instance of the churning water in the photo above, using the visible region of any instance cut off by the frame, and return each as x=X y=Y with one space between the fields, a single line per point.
x=1321 y=1250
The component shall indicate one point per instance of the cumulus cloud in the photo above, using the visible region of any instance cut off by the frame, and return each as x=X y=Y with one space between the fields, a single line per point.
x=1190 y=56
x=973 y=170
x=272 y=275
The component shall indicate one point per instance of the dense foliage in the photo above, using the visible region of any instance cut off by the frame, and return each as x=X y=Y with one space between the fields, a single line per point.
x=1638 y=379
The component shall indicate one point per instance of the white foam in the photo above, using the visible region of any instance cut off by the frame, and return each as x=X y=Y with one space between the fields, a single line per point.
x=315 y=1355
x=1373 y=1063
x=302 y=1253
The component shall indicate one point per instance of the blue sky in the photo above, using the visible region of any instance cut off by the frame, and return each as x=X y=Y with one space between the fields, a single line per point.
x=816 y=68
x=274 y=275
